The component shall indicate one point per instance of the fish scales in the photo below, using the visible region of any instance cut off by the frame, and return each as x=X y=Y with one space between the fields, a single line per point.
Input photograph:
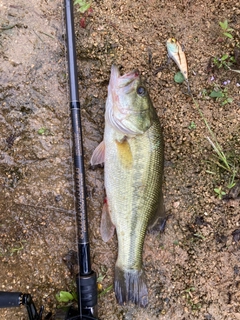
x=132 y=193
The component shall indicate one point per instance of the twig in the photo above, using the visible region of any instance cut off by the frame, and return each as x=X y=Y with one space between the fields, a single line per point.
x=3 y=28
x=38 y=35
x=48 y=35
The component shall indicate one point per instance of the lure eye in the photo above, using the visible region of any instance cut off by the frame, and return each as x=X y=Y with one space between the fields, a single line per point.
x=173 y=40
x=141 y=91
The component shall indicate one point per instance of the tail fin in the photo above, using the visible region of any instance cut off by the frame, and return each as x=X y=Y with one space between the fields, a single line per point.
x=130 y=286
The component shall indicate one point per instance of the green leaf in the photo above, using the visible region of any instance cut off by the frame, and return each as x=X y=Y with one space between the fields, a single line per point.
x=179 y=78
x=228 y=35
x=192 y=126
x=217 y=190
x=84 y=7
x=42 y=130
x=80 y=2
x=100 y=278
x=75 y=297
x=64 y=296
x=216 y=94
x=224 y=57
x=210 y=172
x=224 y=24
x=228 y=100
x=199 y=235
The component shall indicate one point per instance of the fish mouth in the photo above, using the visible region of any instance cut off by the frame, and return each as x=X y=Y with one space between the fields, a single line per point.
x=127 y=81
x=131 y=75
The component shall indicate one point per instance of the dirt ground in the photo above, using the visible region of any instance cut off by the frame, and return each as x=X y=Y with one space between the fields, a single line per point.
x=193 y=268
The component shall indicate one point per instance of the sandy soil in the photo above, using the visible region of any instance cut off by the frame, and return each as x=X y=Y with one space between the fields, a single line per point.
x=193 y=269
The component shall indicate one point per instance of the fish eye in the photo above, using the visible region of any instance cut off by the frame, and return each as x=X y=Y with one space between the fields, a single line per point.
x=141 y=91
x=173 y=40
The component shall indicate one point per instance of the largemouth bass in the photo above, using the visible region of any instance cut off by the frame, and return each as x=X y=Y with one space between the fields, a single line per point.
x=132 y=152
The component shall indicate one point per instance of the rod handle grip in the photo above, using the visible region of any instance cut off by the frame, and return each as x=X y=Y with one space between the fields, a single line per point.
x=10 y=299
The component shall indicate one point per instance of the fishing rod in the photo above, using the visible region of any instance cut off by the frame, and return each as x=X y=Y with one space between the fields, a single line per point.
x=86 y=278
x=16 y=299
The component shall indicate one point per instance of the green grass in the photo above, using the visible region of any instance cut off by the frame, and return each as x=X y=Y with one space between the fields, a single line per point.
x=225 y=61
x=220 y=159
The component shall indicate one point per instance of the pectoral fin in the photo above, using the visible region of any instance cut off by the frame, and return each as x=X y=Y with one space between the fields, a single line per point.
x=98 y=156
x=107 y=227
x=125 y=153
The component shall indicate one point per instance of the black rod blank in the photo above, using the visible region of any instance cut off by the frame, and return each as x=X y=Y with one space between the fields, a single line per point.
x=86 y=279
x=81 y=206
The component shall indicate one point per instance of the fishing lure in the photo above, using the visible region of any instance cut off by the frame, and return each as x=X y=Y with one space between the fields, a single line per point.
x=176 y=53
